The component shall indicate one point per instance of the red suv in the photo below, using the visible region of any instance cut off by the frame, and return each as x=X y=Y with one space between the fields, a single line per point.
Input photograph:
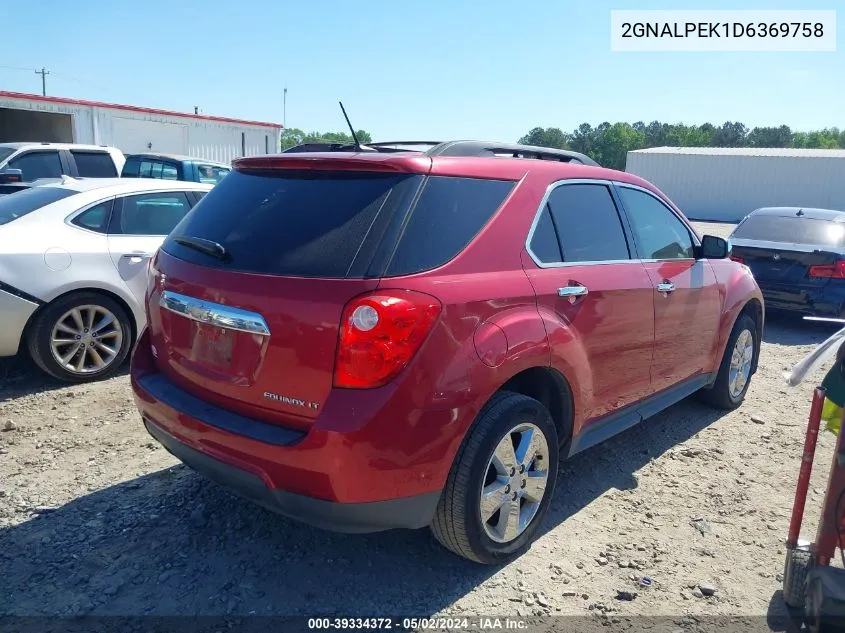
x=382 y=337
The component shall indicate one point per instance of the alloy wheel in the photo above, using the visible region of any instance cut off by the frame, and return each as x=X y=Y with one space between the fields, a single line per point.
x=515 y=483
x=86 y=339
x=740 y=370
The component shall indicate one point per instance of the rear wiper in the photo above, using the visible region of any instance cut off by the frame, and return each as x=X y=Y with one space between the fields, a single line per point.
x=208 y=247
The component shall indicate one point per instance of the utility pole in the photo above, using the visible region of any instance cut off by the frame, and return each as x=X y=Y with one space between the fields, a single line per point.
x=43 y=74
x=285 y=109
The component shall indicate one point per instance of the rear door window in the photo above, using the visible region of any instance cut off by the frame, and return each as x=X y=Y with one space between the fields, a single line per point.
x=35 y=165
x=301 y=224
x=791 y=230
x=94 y=164
x=149 y=213
x=449 y=214
x=587 y=224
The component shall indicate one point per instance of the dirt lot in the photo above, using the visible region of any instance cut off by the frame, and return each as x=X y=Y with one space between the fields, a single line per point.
x=96 y=518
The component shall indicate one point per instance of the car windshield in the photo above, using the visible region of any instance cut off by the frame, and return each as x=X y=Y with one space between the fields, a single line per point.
x=16 y=205
x=791 y=230
x=5 y=152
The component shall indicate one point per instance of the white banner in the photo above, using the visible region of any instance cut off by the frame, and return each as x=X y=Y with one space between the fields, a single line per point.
x=742 y=30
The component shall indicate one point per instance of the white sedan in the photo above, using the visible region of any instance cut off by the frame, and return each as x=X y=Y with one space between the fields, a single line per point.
x=73 y=263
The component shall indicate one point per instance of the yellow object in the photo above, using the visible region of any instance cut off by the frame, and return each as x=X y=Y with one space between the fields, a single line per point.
x=832 y=416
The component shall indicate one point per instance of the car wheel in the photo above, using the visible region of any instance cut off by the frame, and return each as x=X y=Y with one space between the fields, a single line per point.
x=81 y=337
x=734 y=377
x=501 y=483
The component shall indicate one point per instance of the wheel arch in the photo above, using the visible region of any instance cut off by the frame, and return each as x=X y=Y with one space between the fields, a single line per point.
x=549 y=387
x=121 y=301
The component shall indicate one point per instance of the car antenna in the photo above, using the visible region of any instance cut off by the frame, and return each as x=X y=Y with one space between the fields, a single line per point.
x=351 y=129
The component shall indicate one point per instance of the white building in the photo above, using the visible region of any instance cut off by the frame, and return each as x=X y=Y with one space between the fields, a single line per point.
x=725 y=184
x=25 y=117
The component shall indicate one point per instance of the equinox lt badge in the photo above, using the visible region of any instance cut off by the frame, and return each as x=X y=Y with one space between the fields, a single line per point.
x=305 y=404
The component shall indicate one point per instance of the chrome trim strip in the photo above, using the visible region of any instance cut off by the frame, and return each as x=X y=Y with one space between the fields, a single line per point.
x=214 y=313
x=606 y=183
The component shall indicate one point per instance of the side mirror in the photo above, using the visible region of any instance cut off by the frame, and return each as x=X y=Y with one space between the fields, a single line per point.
x=713 y=247
x=10 y=175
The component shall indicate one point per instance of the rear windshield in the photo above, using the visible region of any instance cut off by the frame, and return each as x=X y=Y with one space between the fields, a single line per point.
x=5 y=152
x=338 y=224
x=298 y=224
x=16 y=205
x=792 y=230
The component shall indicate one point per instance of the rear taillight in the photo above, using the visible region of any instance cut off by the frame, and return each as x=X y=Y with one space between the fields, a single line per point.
x=379 y=335
x=834 y=271
x=737 y=259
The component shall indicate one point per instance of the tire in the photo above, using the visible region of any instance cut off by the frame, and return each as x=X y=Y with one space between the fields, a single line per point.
x=58 y=315
x=458 y=524
x=795 y=570
x=720 y=394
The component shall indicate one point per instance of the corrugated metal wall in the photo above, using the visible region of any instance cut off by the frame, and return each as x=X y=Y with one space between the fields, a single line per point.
x=726 y=188
x=132 y=131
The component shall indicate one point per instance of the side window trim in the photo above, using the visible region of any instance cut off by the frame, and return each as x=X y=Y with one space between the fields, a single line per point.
x=69 y=220
x=623 y=221
x=626 y=185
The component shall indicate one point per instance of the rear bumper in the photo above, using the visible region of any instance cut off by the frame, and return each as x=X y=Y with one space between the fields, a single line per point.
x=14 y=314
x=828 y=300
x=408 y=512
x=358 y=468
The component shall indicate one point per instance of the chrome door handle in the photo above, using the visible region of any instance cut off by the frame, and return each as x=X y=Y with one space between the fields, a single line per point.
x=666 y=287
x=572 y=291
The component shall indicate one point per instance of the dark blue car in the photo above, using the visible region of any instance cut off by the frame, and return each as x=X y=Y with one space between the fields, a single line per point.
x=797 y=256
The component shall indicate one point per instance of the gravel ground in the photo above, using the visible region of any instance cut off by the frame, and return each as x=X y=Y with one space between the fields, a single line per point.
x=96 y=518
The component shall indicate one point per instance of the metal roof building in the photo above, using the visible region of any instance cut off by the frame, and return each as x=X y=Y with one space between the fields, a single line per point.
x=133 y=129
x=725 y=184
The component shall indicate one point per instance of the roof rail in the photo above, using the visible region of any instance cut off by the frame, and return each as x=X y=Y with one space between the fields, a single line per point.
x=510 y=150
x=455 y=148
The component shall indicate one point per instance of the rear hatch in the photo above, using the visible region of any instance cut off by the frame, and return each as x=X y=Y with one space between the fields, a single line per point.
x=790 y=250
x=247 y=292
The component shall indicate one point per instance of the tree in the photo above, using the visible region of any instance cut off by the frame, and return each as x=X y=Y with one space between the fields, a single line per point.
x=294 y=136
x=730 y=135
x=770 y=137
x=608 y=144
x=546 y=137
x=615 y=143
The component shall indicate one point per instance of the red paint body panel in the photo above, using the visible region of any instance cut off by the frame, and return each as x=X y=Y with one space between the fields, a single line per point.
x=605 y=338
x=501 y=315
x=683 y=319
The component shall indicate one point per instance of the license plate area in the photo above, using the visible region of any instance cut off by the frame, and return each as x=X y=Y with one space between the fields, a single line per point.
x=212 y=346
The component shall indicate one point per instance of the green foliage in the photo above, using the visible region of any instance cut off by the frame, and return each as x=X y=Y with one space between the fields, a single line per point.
x=294 y=136
x=609 y=144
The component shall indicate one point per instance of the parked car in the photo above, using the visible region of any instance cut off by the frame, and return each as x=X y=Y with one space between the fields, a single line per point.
x=73 y=270
x=797 y=256
x=173 y=167
x=26 y=162
x=373 y=339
